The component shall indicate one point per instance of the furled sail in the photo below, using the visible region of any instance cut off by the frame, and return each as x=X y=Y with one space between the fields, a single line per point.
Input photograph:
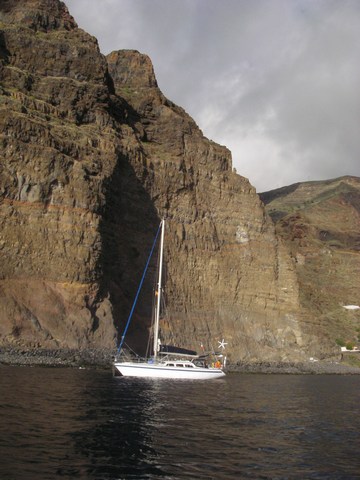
x=171 y=350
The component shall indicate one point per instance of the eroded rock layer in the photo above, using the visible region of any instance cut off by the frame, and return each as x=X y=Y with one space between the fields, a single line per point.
x=320 y=223
x=92 y=156
x=58 y=150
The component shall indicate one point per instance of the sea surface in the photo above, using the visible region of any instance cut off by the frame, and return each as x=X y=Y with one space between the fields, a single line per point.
x=72 y=423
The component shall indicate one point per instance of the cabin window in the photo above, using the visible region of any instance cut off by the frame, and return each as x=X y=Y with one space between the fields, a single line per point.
x=179 y=365
x=170 y=365
x=188 y=365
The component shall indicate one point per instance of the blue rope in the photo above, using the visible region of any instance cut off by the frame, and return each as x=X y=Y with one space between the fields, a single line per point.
x=138 y=291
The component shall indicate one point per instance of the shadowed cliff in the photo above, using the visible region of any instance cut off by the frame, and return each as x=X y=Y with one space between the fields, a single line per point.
x=68 y=192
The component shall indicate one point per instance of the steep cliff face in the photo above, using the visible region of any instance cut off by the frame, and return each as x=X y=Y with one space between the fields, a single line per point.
x=227 y=272
x=58 y=149
x=320 y=223
x=92 y=156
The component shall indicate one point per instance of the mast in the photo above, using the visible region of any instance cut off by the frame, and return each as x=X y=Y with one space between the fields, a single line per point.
x=157 y=312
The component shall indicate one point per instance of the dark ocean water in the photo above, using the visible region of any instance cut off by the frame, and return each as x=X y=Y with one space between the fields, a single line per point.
x=69 y=424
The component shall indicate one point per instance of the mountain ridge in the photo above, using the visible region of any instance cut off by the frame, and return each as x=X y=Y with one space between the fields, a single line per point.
x=320 y=223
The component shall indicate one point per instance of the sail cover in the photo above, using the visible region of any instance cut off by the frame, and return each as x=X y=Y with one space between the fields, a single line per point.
x=171 y=350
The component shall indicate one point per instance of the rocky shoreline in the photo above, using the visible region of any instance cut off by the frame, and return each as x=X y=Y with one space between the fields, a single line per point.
x=324 y=367
x=92 y=358
x=102 y=358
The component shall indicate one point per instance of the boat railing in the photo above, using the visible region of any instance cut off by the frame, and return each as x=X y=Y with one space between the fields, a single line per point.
x=129 y=356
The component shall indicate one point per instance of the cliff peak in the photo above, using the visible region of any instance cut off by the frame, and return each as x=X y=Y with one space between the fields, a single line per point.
x=39 y=15
x=131 y=68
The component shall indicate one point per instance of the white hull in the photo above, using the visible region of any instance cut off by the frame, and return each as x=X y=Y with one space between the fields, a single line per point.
x=159 y=370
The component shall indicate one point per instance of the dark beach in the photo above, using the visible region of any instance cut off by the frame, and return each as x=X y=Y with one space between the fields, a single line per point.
x=102 y=358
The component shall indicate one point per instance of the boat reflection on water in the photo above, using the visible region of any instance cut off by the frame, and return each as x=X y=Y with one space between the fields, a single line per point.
x=73 y=423
x=119 y=434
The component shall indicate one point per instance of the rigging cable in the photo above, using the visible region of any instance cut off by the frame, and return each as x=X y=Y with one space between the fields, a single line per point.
x=138 y=291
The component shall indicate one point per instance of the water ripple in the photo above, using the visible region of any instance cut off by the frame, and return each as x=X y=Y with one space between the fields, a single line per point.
x=87 y=424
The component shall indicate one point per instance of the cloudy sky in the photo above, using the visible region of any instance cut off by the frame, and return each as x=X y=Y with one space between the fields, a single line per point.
x=276 y=81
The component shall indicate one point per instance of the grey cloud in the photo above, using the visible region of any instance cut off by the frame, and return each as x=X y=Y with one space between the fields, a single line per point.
x=277 y=81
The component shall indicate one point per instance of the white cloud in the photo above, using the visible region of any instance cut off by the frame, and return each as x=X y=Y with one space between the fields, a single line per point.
x=277 y=81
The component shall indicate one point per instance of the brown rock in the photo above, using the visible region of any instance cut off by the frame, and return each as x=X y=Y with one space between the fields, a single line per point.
x=227 y=272
x=90 y=161
x=320 y=222
x=39 y=15
x=53 y=109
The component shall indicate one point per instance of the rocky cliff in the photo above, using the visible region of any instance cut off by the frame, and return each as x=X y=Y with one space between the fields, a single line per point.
x=92 y=156
x=320 y=223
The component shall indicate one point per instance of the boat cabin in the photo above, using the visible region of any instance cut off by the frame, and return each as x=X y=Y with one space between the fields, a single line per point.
x=180 y=363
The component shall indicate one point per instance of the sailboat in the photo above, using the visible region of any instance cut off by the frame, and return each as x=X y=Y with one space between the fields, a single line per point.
x=166 y=361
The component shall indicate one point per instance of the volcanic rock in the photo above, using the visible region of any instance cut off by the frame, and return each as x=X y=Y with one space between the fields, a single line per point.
x=92 y=156
x=320 y=223
x=227 y=272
